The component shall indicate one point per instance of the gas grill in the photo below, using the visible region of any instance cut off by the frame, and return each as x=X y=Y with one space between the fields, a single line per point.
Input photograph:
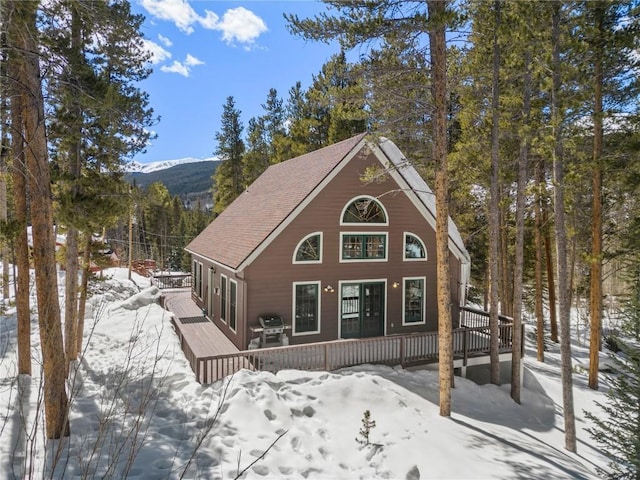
x=272 y=329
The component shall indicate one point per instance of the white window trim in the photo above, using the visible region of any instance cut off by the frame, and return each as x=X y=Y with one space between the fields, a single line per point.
x=295 y=251
x=293 y=309
x=344 y=209
x=230 y=282
x=356 y=260
x=199 y=286
x=211 y=291
x=404 y=299
x=223 y=312
x=404 y=248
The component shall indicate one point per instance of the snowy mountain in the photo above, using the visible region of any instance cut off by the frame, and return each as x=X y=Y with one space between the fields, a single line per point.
x=137 y=167
x=184 y=177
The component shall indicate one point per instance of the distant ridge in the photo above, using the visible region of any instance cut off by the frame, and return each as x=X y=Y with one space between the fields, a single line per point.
x=137 y=167
x=182 y=178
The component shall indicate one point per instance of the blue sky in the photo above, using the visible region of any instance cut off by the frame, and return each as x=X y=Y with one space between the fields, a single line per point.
x=204 y=51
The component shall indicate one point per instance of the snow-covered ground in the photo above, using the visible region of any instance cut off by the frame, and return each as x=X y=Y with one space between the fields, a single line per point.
x=137 y=412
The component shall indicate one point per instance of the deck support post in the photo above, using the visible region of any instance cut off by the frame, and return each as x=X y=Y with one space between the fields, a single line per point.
x=465 y=345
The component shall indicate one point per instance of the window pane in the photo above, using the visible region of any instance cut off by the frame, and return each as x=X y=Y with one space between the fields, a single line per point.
x=223 y=298
x=413 y=247
x=375 y=246
x=233 y=300
x=414 y=300
x=351 y=246
x=364 y=210
x=306 y=308
x=309 y=250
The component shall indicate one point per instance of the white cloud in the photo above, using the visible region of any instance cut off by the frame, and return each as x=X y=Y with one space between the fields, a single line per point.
x=241 y=25
x=164 y=40
x=238 y=25
x=176 y=11
x=176 y=67
x=209 y=21
x=192 y=61
x=158 y=54
x=182 y=68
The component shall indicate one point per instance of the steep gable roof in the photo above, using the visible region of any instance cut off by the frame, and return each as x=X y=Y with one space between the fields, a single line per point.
x=416 y=183
x=245 y=224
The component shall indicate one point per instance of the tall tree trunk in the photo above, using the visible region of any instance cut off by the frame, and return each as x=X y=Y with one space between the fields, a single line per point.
x=561 y=238
x=506 y=274
x=438 y=53
x=71 y=296
x=551 y=282
x=86 y=271
x=539 y=179
x=523 y=166
x=4 y=252
x=595 y=299
x=24 y=35
x=4 y=158
x=73 y=169
x=494 y=230
x=23 y=276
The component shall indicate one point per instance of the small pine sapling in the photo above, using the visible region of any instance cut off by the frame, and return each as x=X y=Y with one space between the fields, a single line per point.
x=367 y=425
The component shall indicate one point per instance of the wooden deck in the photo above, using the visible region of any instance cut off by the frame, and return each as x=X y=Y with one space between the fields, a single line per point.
x=212 y=356
x=199 y=337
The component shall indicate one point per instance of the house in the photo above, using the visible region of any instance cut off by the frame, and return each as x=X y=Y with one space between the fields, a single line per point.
x=335 y=257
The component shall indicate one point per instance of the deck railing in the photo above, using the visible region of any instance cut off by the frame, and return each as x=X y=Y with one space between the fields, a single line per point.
x=405 y=350
x=172 y=281
x=472 y=317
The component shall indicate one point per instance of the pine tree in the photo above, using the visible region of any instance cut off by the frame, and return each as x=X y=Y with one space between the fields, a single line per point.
x=365 y=431
x=273 y=121
x=229 y=181
x=619 y=432
x=23 y=40
x=607 y=48
x=256 y=158
x=301 y=124
x=100 y=117
x=559 y=206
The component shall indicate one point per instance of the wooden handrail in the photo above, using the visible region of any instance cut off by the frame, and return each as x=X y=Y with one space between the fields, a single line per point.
x=473 y=317
x=391 y=350
x=172 y=281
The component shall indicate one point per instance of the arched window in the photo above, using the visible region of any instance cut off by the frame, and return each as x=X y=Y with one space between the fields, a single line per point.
x=414 y=248
x=364 y=209
x=309 y=250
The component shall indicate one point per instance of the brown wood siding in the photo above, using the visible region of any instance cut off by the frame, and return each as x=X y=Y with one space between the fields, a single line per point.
x=239 y=337
x=270 y=277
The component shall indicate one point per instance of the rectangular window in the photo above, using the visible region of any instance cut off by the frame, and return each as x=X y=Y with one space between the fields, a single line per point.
x=233 y=302
x=364 y=247
x=196 y=274
x=413 y=300
x=223 y=298
x=306 y=308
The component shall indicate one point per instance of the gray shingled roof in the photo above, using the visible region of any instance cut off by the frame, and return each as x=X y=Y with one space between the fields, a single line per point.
x=256 y=213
